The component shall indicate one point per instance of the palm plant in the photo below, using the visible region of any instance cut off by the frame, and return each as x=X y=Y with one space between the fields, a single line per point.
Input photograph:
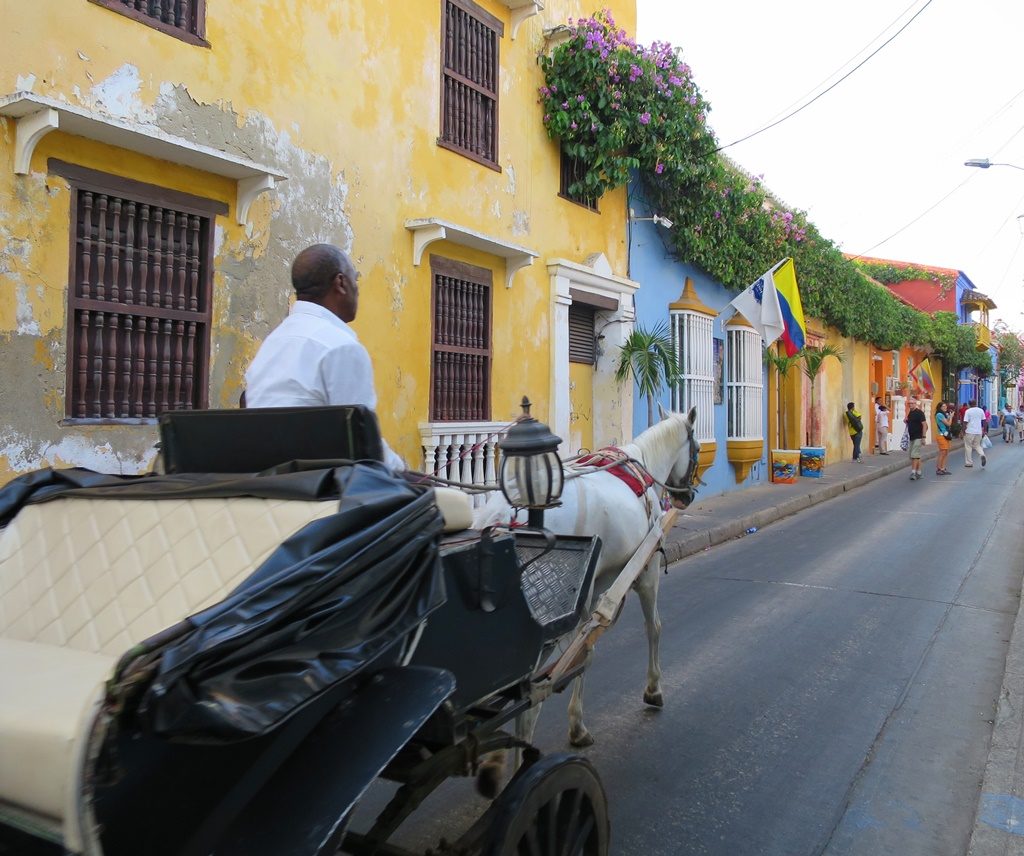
x=648 y=358
x=782 y=363
x=813 y=360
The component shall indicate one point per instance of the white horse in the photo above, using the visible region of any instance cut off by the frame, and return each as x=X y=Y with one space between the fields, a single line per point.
x=599 y=503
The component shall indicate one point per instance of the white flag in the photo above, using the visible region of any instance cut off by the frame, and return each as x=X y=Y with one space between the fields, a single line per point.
x=759 y=304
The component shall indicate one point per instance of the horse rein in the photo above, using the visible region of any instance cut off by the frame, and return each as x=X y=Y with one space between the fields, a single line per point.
x=690 y=479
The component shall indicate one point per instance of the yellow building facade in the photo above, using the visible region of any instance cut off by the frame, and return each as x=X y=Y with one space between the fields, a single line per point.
x=160 y=170
x=863 y=373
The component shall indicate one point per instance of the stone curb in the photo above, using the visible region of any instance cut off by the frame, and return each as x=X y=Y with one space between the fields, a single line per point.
x=999 y=804
x=999 y=822
x=696 y=542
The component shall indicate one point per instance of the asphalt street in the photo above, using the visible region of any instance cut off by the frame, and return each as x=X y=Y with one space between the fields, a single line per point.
x=830 y=680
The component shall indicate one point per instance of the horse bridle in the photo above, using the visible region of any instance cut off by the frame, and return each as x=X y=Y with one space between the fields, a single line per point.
x=688 y=492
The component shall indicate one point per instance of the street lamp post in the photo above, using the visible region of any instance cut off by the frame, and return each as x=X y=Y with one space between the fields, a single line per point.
x=985 y=163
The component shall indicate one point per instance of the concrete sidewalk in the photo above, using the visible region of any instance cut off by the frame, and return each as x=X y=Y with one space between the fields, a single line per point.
x=720 y=518
x=999 y=824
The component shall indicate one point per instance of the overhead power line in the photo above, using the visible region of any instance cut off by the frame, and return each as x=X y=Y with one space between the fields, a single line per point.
x=803 y=107
x=918 y=217
x=973 y=174
x=853 y=58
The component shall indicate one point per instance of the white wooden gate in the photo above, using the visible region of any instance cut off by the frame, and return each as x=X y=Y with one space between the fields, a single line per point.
x=897 y=413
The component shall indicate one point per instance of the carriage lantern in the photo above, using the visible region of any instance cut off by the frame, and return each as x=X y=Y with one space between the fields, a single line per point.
x=531 y=471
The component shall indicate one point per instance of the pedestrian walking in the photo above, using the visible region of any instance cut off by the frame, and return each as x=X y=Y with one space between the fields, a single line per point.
x=878 y=405
x=1009 y=423
x=916 y=421
x=882 y=429
x=942 y=437
x=1020 y=422
x=973 y=419
x=856 y=426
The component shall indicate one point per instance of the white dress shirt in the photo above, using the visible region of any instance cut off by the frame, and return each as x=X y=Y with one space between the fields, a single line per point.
x=311 y=359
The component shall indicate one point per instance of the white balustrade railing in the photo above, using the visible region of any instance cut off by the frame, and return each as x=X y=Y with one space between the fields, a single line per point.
x=463 y=452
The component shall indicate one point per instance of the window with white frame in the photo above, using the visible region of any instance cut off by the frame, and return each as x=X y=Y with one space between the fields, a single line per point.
x=744 y=384
x=692 y=342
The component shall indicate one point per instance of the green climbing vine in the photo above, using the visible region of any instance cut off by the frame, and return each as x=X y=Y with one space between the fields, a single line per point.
x=625 y=111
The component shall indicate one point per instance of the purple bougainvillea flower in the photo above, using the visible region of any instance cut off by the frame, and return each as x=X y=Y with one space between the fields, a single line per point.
x=581 y=98
x=645 y=118
x=659 y=168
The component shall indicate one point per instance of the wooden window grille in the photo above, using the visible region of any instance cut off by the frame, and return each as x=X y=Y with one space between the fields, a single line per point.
x=138 y=298
x=185 y=19
x=469 y=96
x=582 y=343
x=572 y=170
x=460 y=381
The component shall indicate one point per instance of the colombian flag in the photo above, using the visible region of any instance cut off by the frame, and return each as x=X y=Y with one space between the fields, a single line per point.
x=795 y=334
x=772 y=306
x=923 y=375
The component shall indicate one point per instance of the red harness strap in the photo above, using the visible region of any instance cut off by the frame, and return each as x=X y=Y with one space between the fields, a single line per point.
x=635 y=477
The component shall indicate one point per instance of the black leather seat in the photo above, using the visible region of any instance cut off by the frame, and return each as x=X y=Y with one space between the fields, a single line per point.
x=250 y=441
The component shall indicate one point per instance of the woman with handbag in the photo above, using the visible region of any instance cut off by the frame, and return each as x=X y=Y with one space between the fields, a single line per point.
x=943 y=434
x=856 y=427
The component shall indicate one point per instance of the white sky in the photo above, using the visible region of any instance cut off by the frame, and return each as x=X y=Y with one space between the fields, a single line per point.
x=887 y=143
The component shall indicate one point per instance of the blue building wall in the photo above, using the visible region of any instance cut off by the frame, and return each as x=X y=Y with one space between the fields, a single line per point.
x=969 y=387
x=661 y=281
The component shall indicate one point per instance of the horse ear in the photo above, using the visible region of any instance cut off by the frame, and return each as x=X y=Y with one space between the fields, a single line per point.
x=662 y=412
x=691 y=417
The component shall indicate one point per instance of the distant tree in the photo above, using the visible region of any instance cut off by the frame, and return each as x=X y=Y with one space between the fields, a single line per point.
x=1011 y=356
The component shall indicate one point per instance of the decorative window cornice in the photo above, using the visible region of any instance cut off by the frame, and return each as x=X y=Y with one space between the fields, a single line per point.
x=426 y=231
x=35 y=116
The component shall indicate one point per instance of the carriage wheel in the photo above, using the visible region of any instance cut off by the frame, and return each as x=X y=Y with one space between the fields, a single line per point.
x=556 y=807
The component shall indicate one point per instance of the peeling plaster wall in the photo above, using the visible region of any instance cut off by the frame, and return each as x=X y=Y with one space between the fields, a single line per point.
x=344 y=100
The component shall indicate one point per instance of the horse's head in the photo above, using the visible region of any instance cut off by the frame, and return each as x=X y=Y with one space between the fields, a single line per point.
x=682 y=478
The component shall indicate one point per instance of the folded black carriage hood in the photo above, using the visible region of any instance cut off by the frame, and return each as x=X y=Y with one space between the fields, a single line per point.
x=334 y=599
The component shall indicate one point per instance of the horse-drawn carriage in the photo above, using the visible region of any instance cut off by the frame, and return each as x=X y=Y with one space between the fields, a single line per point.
x=308 y=627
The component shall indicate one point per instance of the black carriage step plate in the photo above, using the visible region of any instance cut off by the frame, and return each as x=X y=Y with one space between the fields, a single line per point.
x=302 y=810
x=557 y=582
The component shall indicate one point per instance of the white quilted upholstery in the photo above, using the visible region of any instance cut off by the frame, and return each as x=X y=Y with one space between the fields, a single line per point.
x=81 y=581
x=456 y=508
x=49 y=698
x=99 y=575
